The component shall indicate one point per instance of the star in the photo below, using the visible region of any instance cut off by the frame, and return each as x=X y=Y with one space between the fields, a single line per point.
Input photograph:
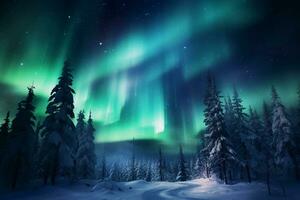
x=21 y=64
x=100 y=43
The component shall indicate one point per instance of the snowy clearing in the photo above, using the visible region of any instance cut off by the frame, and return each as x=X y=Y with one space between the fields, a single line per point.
x=196 y=189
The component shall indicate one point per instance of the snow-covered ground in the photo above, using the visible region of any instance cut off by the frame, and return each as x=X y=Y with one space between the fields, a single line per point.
x=190 y=190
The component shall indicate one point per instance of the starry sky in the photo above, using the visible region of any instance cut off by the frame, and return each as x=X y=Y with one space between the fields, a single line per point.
x=140 y=66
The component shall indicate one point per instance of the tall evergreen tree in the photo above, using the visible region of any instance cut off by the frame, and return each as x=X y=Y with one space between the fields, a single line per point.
x=160 y=165
x=149 y=172
x=285 y=148
x=114 y=174
x=218 y=146
x=103 y=169
x=90 y=130
x=4 y=130
x=86 y=159
x=229 y=117
x=21 y=143
x=132 y=175
x=182 y=170
x=243 y=135
x=58 y=138
x=256 y=141
x=266 y=140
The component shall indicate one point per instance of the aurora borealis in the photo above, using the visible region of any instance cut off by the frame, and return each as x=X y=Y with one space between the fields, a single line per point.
x=140 y=66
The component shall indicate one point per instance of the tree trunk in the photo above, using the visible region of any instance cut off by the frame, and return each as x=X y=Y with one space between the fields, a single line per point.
x=248 y=173
x=221 y=172
x=268 y=178
x=230 y=176
x=242 y=172
x=224 y=172
x=207 y=170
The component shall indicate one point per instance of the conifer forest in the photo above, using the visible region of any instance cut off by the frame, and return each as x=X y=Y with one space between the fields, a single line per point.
x=149 y=99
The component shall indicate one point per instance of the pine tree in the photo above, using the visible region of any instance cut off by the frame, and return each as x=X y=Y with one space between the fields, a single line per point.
x=149 y=172
x=132 y=175
x=141 y=171
x=4 y=130
x=160 y=165
x=198 y=166
x=266 y=141
x=86 y=159
x=114 y=174
x=182 y=170
x=285 y=148
x=229 y=117
x=90 y=130
x=243 y=136
x=21 y=142
x=218 y=146
x=58 y=138
x=103 y=169
x=256 y=141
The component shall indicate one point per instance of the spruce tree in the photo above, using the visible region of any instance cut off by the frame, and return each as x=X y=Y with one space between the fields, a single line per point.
x=114 y=174
x=267 y=138
x=256 y=141
x=160 y=165
x=243 y=135
x=149 y=172
x=58 y=138
x=182 y=170
x=284 y=147
x=4 y=130
x=21 y=143
x=218 y=145
x=86 y=159
x=103 y=169
x=132 y=175
x=90 y=130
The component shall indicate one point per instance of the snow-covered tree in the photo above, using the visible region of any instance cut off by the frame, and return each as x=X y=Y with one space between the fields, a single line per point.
x=90 y=130
x=218 y=146
x=243 y=136
x=86 y=158
x=80 y=133
x=266 y=140
x=141 y=171
x=19 y=155
x=4 y=130
x=114 y=174
x=103 y=172
x=229 y=117
x=58 y=134
x=132 y=175
x=161 y=165
x=149 y=172
x=284 y=146
x=182 y=169
x=257 y=130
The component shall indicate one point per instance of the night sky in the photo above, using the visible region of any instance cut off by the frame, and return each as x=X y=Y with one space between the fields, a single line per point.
x=140 y=66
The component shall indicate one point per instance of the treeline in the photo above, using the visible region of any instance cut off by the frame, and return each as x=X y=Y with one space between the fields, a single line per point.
x=246 y=146
x=31 y=151
x=235 y=146
x=160 y=169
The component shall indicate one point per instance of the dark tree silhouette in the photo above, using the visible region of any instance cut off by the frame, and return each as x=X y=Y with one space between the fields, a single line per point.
x=58 y=138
